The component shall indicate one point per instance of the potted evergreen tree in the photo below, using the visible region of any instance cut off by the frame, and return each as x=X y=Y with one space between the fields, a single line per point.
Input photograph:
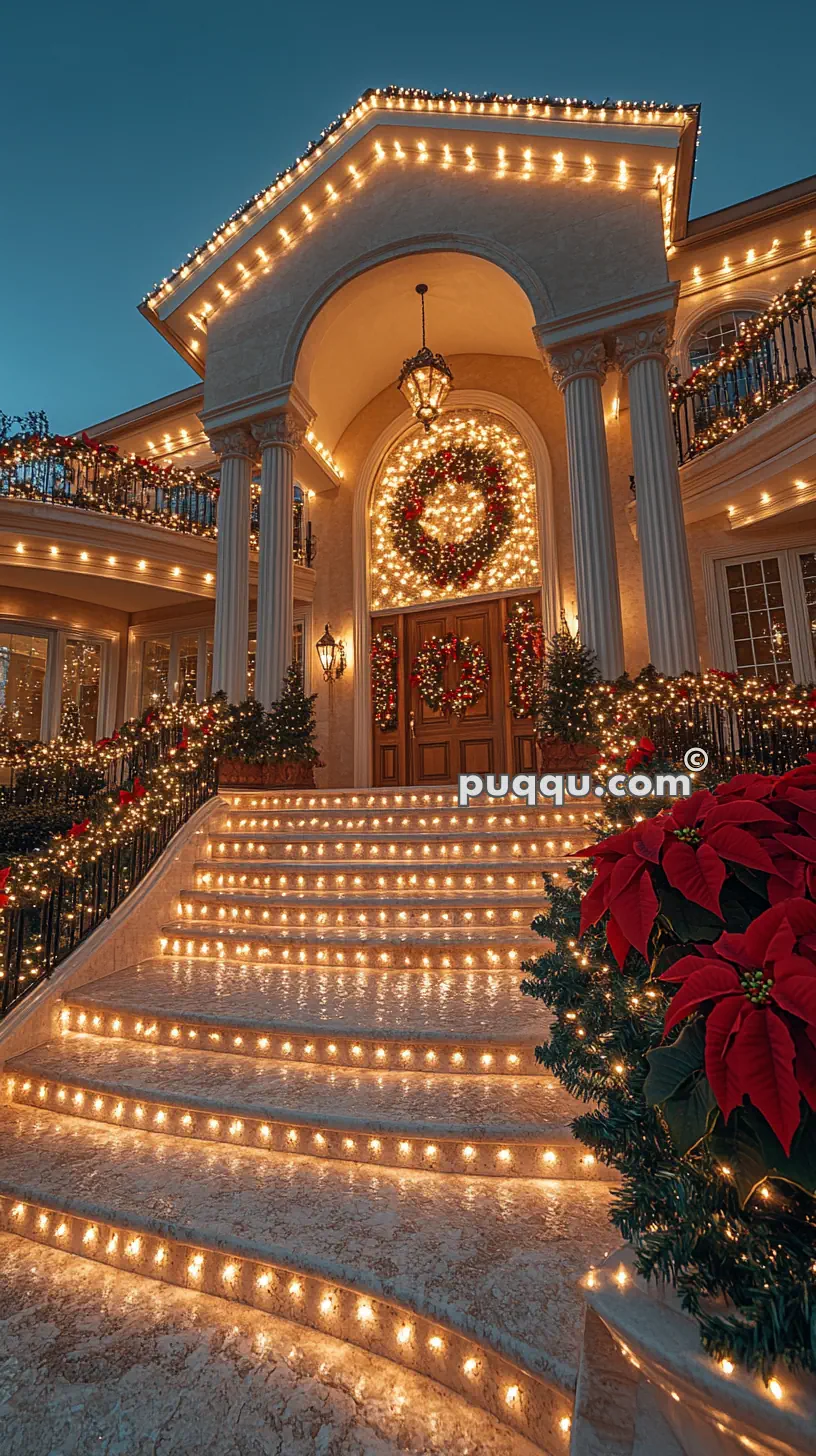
x=247 y=756
x=294 y=727
x=564 y=728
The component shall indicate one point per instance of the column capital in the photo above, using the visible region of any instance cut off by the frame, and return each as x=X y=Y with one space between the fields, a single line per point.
x=285 y=428
x=582 y=358
x=649 y=339
x=233 y=442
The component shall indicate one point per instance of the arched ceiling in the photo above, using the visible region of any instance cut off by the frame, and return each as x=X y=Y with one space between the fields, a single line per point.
x=356 y=344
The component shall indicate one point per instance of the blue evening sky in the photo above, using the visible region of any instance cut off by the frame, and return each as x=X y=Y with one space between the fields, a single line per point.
x=129 y=132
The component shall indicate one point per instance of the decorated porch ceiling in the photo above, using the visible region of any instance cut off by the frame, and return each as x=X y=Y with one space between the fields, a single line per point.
x=282 y=214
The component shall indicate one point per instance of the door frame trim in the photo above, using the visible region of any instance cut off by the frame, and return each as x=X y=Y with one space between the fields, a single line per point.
x=548 y=555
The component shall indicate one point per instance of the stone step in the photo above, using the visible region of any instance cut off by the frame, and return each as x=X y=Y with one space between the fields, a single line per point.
x=512 y=844
x=382 y=800
x=425 y=1021
x=485 y=1126
x=415 y=950
x=211 y=1375
x=352 y=879
x=322 y=910
x=488 y=1304
x=481 y=819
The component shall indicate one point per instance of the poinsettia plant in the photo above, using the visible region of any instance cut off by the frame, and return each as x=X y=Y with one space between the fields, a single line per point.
x=718 y=894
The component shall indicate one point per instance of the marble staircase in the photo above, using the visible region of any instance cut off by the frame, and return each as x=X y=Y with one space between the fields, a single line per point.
x=320 y=1097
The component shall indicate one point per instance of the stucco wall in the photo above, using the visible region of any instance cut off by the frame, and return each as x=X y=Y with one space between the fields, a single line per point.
x=570 y=244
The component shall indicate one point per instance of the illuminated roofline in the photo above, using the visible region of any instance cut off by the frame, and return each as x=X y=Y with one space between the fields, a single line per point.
x=399 y=97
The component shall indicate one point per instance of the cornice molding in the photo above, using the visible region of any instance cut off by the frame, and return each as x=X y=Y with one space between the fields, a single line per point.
x=609 y=319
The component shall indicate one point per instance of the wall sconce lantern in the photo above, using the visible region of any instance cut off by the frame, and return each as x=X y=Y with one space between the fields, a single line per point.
x=332 y=656
x=425 y=380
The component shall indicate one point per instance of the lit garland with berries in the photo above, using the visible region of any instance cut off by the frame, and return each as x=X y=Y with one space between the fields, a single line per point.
x=526 y=649
x=428 y=674
x=454 y=512
x=385 y=680
x=91 y=475
x=743 y=722
x=740 y=402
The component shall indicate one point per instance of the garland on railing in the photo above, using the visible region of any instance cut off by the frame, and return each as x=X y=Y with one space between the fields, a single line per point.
x=29 y=879
x=92 y=474
x=743 y=722
x=752 y=333
x=526 y=649
x=385 y=680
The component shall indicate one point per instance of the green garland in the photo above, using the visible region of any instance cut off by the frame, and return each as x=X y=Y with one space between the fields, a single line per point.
x=526 y=646
x=385 y=680
x=428 y=673
x=452 y=562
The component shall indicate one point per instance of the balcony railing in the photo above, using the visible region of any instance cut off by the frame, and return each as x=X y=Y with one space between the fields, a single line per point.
x=67 y=471
x=773 y=357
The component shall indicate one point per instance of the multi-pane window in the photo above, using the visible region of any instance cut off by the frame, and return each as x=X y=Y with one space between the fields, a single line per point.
x=807 y=566
x=298 y=655
x=82 y=680
x=155 y=668
x=716 y=334
x=759 y=624
x=298 y=638
x=187 y=668
x=23 y=661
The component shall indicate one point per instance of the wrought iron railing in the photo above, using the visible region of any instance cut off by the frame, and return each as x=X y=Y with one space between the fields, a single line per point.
x=84 y=474
x=773 y=357
x=59 y=898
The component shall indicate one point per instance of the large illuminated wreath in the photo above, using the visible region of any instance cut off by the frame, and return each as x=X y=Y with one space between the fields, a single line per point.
x=428 y=673
x=448 y=563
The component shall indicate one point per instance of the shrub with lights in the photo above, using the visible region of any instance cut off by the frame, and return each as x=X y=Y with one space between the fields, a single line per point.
x=293 y=722
x=682 y=982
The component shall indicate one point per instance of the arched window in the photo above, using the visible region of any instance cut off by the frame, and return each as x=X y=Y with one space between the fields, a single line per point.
x=716 y=334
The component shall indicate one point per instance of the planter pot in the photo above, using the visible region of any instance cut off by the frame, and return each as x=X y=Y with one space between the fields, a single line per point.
x=556 y=756
x=235 y=773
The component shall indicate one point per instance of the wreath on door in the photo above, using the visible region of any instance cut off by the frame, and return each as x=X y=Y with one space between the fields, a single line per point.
x=428 y=673
x=448 y=563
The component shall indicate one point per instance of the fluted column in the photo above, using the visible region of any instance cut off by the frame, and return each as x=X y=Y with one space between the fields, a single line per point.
x=579 y=370
x=237 y=450
x=279 y=437
x=642 y=354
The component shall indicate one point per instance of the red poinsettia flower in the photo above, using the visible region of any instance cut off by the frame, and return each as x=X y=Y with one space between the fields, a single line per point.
x=4 y=878
x=693 y=844
x=761 y=1025
x=703 y=834
x=644 y=753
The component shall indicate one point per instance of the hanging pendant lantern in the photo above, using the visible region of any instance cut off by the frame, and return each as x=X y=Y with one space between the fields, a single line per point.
x=425 y=380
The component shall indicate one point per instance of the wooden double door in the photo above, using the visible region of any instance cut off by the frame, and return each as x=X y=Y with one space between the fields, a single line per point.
x=430 y=747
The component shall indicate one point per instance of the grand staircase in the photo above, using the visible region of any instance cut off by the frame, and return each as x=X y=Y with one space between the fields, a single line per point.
x=320 y=1097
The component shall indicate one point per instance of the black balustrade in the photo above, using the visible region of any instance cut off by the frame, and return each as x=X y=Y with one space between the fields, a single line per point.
x=773 y=358
x=95 y=480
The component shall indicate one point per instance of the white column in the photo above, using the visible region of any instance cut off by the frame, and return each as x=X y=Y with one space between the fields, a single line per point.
x=237 y=450
x=279 y=437
x=642 y=353
x=579 y=371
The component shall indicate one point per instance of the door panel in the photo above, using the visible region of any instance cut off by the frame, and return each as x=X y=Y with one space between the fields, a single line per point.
x=441 y=747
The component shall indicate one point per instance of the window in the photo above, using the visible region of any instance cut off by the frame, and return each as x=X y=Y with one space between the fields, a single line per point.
x=23 y=662
x=716 y=334
x=759 y=623
x=82 y=681
x=187 y=668
x=298 y=655
x=155 y=669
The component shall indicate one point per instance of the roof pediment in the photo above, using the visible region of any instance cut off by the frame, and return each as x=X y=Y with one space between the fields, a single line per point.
x=618 y=143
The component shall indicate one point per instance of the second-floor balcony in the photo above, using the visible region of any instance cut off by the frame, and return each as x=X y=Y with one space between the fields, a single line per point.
x=772 y=359
x=81 y=474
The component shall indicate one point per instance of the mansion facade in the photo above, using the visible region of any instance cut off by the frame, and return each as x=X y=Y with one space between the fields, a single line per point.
x=629 y=440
